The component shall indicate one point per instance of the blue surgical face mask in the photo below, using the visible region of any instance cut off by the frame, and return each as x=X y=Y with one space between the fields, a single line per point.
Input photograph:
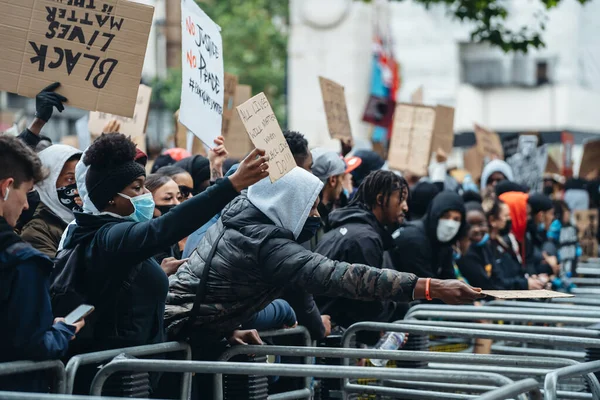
x=541 y=227
x=143 y=207
x=483 y=241
x=456 y=255
x=346 y=193
x=311 y=226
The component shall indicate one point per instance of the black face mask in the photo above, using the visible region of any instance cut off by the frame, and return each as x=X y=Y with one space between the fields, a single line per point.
x=311 y=226
x=165 y=209
x=506 y=230
x=548 y=190
x=67 y=196
x=33 y=199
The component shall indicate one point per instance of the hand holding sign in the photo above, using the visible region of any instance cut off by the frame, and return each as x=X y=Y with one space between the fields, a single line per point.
x=254 y=168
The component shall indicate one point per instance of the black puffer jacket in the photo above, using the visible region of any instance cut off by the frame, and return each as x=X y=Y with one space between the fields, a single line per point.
x=254 y=262
x=356 y=237
x=417 y=249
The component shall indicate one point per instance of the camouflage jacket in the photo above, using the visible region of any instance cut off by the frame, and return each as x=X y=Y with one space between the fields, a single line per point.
x=254 y=262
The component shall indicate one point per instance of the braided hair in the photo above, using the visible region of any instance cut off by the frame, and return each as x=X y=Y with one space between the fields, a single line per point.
x=380 y=182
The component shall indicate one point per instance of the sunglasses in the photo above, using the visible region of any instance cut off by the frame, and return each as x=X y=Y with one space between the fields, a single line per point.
x=186 y=191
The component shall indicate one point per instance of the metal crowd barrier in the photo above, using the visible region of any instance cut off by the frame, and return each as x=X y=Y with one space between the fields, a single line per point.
x=506 y=392
x=138 y=351
x=21 y=367
x=43 y=396
x=318 y=371
x=552 y=378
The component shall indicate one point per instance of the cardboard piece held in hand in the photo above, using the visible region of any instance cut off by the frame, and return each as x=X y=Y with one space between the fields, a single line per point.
x=262 y=126
x=417 y=132
x=237 y=141
x=525 y=294
x=229 y=89
x=95 y=49
x=336 y=110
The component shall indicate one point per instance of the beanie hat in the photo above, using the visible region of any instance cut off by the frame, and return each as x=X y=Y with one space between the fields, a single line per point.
x=508 y=186
x=539 y=202
x=371 y=161
x=163 y=160
x=199 y=169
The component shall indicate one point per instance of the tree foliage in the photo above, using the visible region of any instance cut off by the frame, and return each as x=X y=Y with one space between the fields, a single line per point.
x=489 y=18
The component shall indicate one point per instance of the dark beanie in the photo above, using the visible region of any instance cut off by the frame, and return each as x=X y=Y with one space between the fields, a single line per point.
x=539 y=202
x=164 y=160
x=198 y=167
x=508 y=186
x=104 y=183
x=371 y=161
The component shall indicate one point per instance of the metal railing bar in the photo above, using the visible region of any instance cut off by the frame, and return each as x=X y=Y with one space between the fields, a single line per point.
x=20 y=367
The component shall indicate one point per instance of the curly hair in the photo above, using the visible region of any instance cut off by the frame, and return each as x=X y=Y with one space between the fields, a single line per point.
x=297 y=143
x=109 y=150
x=380 y=182
x=19 y=162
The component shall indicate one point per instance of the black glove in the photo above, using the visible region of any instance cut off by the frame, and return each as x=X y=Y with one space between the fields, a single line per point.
x=46 y=100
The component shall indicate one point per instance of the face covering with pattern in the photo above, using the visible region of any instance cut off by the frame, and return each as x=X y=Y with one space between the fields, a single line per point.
x=311 y=226
x=447 y=229
x=67 y=196
x=143 y=206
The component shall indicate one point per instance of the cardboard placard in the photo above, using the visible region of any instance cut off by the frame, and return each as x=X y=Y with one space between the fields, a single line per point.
x=94 y=48
x=237 y=141
x=417 y=132
x=473 y=162
x=135 y=126
x=590 y=162
x=417 y=96
x=201 y=109
x=568 y=141
x=262 y=126
x=510 y=144
x=230 y=86
x=552 y=166
x=488 y=144
x=529 y=163
x=334 y=100
x=525 y=294
x=587 y=226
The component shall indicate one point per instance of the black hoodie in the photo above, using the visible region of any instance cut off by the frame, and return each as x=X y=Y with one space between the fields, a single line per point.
x=416 y=247
x=356 y=237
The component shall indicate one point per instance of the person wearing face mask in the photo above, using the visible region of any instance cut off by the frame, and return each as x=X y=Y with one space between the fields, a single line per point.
x=29 y=329
x=118 y=241
x=424 y=247
x=59 y=199
x=493 y=173
x=361 y=233
x=541 y=215
x=509 y=260
x=478 y=265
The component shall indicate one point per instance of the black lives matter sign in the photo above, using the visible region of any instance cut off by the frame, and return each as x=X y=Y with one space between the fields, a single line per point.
x=95 y=48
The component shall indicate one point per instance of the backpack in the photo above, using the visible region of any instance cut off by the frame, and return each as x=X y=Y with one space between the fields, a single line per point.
x=68 y=288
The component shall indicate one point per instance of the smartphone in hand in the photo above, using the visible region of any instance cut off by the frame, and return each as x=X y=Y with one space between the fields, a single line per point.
x=78 y=314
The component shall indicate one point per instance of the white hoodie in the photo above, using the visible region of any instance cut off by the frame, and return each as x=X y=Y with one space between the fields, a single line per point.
x=288 y=201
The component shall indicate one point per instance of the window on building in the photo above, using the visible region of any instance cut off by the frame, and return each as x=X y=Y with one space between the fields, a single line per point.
x=541 y=73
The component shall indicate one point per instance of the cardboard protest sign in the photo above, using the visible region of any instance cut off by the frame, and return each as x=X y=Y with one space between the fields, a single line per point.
x=231 y=82
x=94 y=48
x=417 y=96
x=552 y=166
x=412 y=136
x=529 y=163
x=525 y=294
x=201 y=109
x=487 y=147
x=590 y=161
x=417 y=132
x=510 y=144
x=262 y=126
x=587 y=226
x=135 y=126
x=568 y=141
x=473 y=162
x=336 y=110
x=237 y=141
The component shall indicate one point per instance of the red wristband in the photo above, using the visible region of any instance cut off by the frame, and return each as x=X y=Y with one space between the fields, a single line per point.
x=427 y=287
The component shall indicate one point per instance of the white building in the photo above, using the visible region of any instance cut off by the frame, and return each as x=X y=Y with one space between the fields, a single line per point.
x=501 y=91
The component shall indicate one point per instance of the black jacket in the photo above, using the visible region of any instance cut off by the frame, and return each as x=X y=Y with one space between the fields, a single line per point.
x=254 y=262
x=416 y=247
x=479 y=268
x=534 y=244
x=113 y=246
x=356 y=236
x=511 y=269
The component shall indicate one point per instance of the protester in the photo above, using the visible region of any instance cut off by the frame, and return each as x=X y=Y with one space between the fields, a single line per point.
x=182 y=178
x=576 y=194
x=424 y=247
x=132 y=314
x=507 y=257
x=508 y=186
x=371 y=161
x=493 y=173
x=421 y=195
x=59 y=198
x=29 y=329
x=554 y=186
x=256 y=255
x=45 y=102
x=478 y=265
x=169 y=157
x=330 y=168
x=299 y=147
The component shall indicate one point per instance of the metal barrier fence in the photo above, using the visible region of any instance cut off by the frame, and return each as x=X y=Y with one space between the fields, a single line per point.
x=506 y=392
x=552 y=378
x=60 y=396
x=138 y=351
x=318 y=371
x=21 y=367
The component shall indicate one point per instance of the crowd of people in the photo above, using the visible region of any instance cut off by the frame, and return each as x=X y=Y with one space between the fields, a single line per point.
x=208 y=250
